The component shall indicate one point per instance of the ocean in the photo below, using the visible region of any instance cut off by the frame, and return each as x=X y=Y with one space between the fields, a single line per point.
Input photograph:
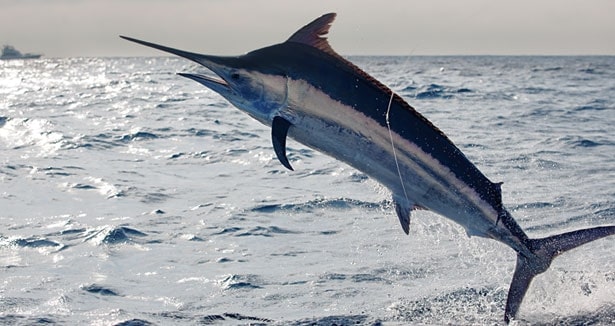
x=132 y=196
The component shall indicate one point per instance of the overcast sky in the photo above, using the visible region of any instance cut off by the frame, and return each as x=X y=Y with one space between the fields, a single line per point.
x=63 y=28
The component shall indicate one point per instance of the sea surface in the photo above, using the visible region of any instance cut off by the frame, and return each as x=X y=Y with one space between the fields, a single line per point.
x=132 y=196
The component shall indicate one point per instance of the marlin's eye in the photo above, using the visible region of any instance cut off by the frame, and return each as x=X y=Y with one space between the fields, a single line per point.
x=235 y=76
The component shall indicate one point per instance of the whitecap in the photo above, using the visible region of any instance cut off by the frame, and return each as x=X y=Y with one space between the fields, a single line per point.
x=40 y=134
x=105 y=188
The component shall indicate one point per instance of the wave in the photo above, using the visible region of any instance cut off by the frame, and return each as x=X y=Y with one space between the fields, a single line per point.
x=581 y=142
x=100 y=290
x=114 y=235
x=134 y=322
x=99 y=185
x=316 y=204
x=34 y=242
x=14 y=319
x=435 y=91
x=207 y=319
x=536 y=90
x=601 y=216
x=265 y=231
x=212 y=319
x=137 y=136
x=242 y=319
x=355 y=278
x=592 y=107
x=262 y=231
x=40 y=133
x=109 y=140
x=592 y=71
x=101 y=235
x=339 y=320
x=547 y=69
x=241 y=282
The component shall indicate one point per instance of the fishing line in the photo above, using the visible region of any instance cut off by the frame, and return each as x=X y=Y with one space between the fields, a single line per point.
x=408 y=57
x=401 y=179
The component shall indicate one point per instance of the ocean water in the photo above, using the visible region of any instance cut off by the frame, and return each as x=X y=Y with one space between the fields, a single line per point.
x=132 y=196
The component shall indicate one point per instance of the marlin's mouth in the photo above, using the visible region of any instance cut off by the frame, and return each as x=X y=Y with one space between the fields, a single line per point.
x=215 y=84
x=211 y=79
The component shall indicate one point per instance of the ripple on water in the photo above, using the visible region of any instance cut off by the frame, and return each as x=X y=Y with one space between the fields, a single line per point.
x=34 y=242
x=100 y=290
x=114 y=235
x=268 y=231
x=334 y=203
x=135 y=322
x=241 y=282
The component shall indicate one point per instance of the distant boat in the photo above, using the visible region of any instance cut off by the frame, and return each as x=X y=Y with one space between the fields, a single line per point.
x=9 y=52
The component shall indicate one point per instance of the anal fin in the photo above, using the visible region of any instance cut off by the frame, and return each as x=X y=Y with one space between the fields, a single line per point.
x=403 y=209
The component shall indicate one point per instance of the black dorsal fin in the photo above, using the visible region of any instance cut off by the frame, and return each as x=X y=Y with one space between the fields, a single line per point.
x=279 y=130
x=315 y=33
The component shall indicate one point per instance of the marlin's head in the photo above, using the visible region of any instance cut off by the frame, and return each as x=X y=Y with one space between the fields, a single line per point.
x=255 y=82
x=239 y=80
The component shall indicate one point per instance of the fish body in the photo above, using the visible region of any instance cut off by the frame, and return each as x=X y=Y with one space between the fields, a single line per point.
x=304 y=90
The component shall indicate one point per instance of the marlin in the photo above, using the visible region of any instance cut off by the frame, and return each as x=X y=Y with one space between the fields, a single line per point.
x=304 y=90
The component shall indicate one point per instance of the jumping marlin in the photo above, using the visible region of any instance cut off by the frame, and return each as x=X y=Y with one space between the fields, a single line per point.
x=303 y=89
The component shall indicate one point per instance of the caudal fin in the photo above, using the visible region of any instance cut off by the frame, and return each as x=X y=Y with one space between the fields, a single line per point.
x=545 y=250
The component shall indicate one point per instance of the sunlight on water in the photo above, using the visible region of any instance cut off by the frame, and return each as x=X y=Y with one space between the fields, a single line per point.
x=38 y=134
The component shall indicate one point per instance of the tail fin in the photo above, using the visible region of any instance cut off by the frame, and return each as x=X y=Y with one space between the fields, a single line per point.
x=544 y=251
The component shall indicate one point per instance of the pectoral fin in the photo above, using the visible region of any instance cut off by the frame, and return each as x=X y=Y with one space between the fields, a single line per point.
x=279 y=130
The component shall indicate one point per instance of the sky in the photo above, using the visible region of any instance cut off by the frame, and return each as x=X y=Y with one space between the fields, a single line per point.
x=74 y=28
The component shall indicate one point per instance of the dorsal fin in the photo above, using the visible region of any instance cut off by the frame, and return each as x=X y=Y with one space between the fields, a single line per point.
x=315 y=33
